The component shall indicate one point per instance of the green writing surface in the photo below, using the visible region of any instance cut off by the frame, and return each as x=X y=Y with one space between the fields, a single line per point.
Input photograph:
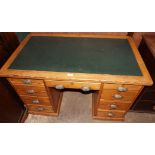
x=80 y=55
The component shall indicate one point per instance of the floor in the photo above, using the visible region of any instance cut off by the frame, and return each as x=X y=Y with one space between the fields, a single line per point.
x=77 y=108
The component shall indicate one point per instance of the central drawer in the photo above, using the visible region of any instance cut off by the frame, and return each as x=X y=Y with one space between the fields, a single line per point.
x=73 y=84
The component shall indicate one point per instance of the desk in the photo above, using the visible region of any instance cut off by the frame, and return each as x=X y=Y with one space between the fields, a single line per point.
x=45 y=64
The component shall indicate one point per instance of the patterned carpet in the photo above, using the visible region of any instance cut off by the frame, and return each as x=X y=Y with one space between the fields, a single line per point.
x=77 y=108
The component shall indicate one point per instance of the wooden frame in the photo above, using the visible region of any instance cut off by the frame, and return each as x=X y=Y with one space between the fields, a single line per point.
x=145 y=79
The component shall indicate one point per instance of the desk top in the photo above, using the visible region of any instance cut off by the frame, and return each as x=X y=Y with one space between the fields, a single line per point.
x=98 y=58
x=78 y=55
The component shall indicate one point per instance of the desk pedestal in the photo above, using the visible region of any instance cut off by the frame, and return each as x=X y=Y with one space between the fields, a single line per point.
x=43 y=96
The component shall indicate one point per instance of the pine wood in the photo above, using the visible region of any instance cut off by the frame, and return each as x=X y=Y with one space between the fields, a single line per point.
x=38 y=91
x=140 y=61
x=117 y=115
x=43 y=113
x=73 y=84
x=106 y=99
x=106 y=78
x=90 y=35
x=129 y=87
x=104 y=85
x=105 y=105
x=102 y=114
x=56 y=98
x=16 y=81
x=35 y=108
x=127 y=96
x=42 y=100
x=95 y=101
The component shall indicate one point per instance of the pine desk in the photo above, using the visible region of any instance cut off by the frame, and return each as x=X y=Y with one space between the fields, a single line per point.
x=45 y=64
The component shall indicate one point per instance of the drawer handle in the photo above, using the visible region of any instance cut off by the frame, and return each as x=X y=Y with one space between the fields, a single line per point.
x=122 y=89
x=117 y=96
x=113 y=106
x=59 y=87
x=27 y=81
x=110 y=114
x=31 y=91
x=85 y=89
x=35 y=101
x=40 y=109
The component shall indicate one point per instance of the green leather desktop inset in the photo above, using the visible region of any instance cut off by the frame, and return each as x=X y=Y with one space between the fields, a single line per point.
x=80 y=55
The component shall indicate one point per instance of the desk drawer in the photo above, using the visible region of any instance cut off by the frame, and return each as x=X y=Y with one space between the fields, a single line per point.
x=114 y=95
x=34 y=108
x=110 y=105
x=36 y=100
x=15 y=81
x=122 y=87
x=31 y=90
x=73 y=84
x=109 y=114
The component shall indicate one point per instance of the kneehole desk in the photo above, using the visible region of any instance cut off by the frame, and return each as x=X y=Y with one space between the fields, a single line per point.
x=45 y=64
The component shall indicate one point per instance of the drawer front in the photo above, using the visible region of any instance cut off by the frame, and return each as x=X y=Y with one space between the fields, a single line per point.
x=110 y=105
x=109 y=114
x=15 y=81
x=36 y=100
x=122 y=87
x=46 y=109
x=114 y=95
x=72 y=84
x=31 y=90
x=43 y=113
